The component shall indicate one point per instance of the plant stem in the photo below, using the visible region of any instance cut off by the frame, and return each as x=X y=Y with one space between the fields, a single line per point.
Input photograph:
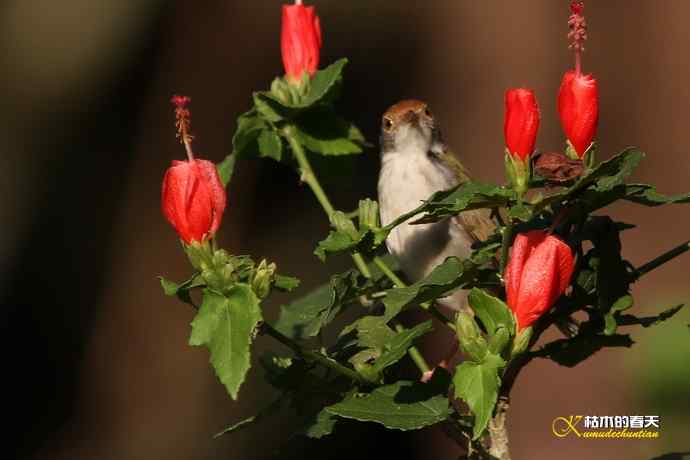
x=310 y=178
x=314 y=356
x=662 y=259
x=312 y=181
x=505 y=245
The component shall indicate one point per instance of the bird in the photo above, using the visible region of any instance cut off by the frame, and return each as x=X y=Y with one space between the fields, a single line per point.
x=415 y=163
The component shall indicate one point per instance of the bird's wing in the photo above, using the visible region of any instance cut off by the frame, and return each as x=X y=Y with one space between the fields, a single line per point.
x=477 y=222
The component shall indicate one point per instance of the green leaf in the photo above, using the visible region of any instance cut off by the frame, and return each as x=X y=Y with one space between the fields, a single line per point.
x=244 y=141
x=322 y=90
x=372 y=332
x=397 y=347
x=322 y=425
x=477 y=384
x=571 y=352
x=442 y=280
x=647 y=321
x=402 y=405
x=322 y=131
x=305 y=317
x=286 y=283
x=492 y=311
x=648 y=196
x=614 y=171
x=466 y=196
x=226 y=168
x=225 y=325
x=269 y=108
x=324 y=84
x=521 y=212
x=181 y=291
x=270 y=145
x=604 y=181
x=263 y=413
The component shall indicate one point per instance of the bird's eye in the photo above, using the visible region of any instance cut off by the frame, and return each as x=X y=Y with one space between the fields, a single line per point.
x=387 y=124
x=427 y=112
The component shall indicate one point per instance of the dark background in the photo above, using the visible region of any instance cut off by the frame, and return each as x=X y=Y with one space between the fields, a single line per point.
x=95 y=357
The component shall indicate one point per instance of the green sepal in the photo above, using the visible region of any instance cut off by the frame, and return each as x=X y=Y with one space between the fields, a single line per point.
x=519 y=171
x=521 y=342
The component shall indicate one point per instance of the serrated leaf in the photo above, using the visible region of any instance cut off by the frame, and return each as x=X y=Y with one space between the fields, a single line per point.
x=270 y=145
x=613 y=172
x=477 y=384
x=492 y=311
x=181 y=291
x=269 y=108
x=323 y=85
x=322 y=131
x=398 y=345
x=305 y=317
x=225 y=325
x=466 y=196
x=244 y=141
x=372 y=332
x=322 y=425
x=604 y=181
x=403 y=405
x=571 y=352
x=442 y=280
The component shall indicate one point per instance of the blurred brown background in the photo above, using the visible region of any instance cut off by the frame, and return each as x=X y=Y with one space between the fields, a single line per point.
x=95 y=357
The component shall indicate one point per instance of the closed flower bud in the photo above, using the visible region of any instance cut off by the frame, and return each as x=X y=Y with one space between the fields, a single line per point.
x=471 y=340
x=300 y=42
x=193 y=199
x=578 y=107
x=263 y=278
x=521 y=122
x=538 y=273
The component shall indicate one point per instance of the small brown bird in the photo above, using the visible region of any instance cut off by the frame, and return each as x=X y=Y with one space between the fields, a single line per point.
x=415 y=163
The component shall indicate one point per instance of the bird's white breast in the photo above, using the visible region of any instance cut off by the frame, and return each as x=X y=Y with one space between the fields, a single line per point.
x=406 y=180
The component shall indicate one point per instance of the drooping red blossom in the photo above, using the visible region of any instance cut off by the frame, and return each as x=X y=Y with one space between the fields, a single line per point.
x=537 y=274
x=578 y=107
x=300 y=41
x=193 y=199
x=521 y=122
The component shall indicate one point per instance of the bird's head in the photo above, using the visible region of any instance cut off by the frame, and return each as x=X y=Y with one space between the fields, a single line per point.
x=408 y=125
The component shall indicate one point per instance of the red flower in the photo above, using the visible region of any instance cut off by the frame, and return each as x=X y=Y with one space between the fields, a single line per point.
x=578 y=106
x=300 y=41
x=521 y=122
x=537 y=274
x=193 y=199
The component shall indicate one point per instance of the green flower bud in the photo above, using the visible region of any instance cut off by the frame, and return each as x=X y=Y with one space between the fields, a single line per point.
x=263 y=278
x=470 y=337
